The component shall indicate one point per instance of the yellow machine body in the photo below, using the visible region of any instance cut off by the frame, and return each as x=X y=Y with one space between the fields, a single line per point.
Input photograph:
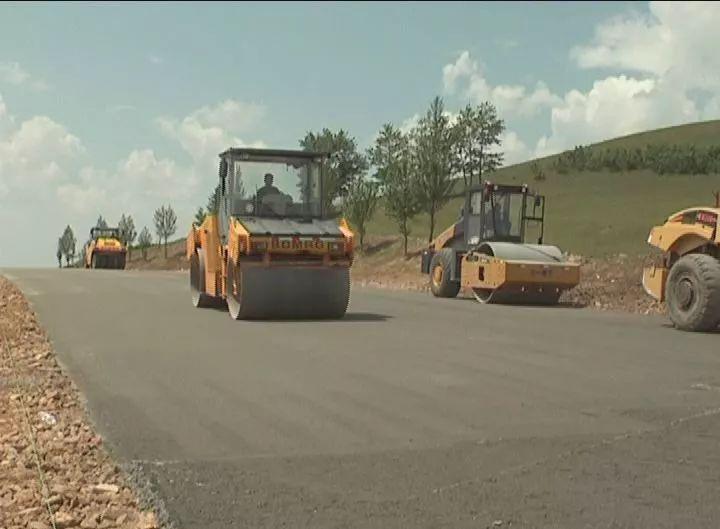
x=688 y=278
x=274 y=266
x=682 y=233
x=105 y=249
x=486 y=251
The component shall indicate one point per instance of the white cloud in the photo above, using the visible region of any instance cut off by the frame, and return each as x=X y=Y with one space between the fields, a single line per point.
x=516 y=100
x=677 y=41
x=615 y=106
x=37 y=153
x=659 y=62
x=514 y=148
x=231 y=115
x=14 y=74
x=80 y=198
x=673 y=50
x=157 y=177
x=209 y=130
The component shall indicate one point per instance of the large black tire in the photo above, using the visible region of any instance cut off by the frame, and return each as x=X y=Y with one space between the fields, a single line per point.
x=121 y=262
x=441 y=284
x=693 y=293
x=200 y=298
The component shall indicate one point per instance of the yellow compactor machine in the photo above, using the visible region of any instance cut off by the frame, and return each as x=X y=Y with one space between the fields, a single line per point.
x=485 y=250
x=105 y=249
x=271 y=250
x=688 y=279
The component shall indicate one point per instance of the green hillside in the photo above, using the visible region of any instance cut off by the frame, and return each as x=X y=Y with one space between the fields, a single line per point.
x=600 y=213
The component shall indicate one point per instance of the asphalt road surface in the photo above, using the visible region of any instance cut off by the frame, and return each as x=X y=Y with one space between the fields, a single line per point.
x=412 y=412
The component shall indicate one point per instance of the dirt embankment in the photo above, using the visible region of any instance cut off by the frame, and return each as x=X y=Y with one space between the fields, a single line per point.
x=54 y=470
x=608 y=283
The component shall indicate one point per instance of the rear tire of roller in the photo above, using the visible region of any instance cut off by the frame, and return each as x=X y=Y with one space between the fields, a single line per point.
x=199 y=297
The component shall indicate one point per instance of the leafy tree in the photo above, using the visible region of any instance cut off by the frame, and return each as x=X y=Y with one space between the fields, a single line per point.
x=165 y=224
x=345 y=166
x=433 y=139
x=144 y=241
x=199 y=216
x=100 y=222
x=59 y=253
x=126 y=225
x=386 y=151
x=68 y=242
x=476 y=136
x=393 y=159
x=359 y=205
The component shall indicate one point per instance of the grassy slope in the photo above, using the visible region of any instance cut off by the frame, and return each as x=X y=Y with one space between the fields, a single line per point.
x=602 y=213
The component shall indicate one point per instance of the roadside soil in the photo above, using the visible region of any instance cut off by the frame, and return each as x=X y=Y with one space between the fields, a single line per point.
x=607 y=283
x=54 y=469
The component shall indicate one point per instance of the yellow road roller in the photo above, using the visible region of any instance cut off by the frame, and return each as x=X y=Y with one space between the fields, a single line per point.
x=271 y=251
x=105 y=249
x=485 y=250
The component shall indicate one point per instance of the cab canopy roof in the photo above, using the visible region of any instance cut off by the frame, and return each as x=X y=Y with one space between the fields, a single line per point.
x=274 y=152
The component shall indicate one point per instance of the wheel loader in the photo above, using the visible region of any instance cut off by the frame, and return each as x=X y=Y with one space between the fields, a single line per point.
x=688 y=277
x=271 y=250
x=485 y=252
x=105 y=249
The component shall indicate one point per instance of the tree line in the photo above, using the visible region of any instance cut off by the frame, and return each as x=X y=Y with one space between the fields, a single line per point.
x=165 y=221
x=661 y=159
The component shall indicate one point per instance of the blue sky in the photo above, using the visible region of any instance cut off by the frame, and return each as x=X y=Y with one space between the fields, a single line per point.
x=130 y=103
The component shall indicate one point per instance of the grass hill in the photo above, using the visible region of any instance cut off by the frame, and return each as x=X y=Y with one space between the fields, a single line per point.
x=603 y=212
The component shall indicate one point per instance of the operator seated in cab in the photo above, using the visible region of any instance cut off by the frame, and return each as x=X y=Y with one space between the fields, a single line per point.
x=268 y=188
x=270 y=199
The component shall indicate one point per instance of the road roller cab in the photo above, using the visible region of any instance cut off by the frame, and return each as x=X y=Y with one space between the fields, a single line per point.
x=272 y=250
x=486 y=251
x=105 y=249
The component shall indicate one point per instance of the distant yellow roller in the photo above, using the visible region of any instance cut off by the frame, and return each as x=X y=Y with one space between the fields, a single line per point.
x=105 y=249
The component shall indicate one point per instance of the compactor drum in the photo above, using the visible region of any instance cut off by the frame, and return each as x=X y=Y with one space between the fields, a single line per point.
x=688 y=278
x=271 y=250
x=485 y=252
x=105 y=249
